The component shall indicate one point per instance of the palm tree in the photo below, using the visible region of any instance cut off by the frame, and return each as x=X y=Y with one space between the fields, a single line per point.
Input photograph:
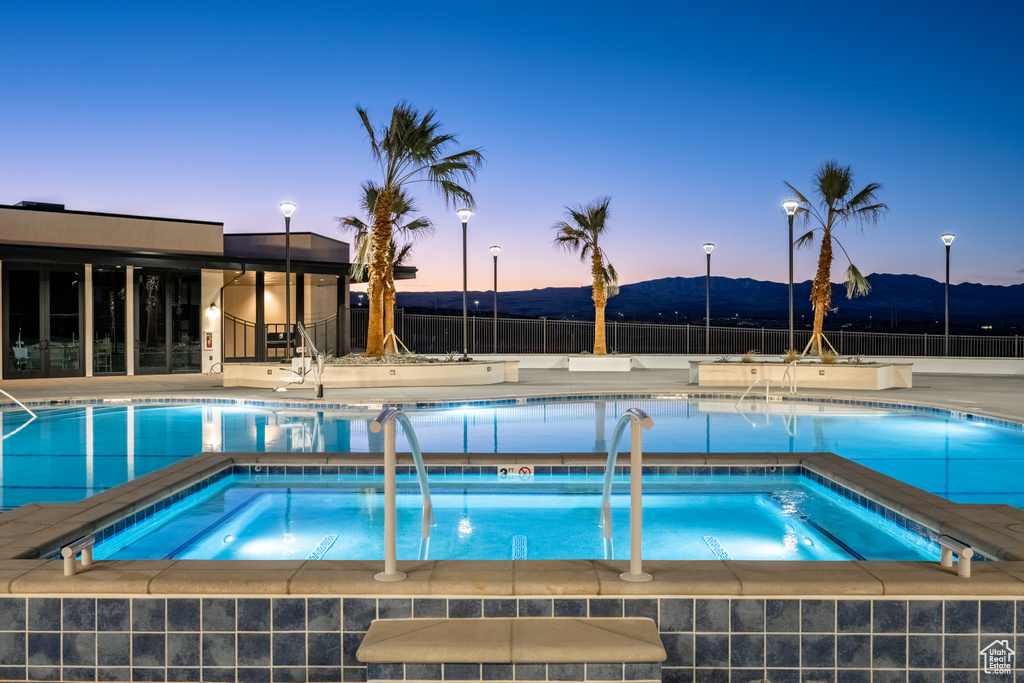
x=397 y=256
x=588 y=224
x=837 y=204
x=410 y=149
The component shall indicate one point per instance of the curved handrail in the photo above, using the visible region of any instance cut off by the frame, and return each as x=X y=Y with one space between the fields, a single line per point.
x=767 y=394
x=792 y=380
x=631 y=415
x=395 y=415
x=23 y=407
x=318 y=358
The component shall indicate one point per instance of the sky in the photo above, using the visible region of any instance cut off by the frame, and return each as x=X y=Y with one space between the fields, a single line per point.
x=688 y=115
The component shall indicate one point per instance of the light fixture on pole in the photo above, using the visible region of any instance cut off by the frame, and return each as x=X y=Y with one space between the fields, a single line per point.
x=947 y=239
x=708 y=246
x=288 y=208
x=791 y=207
x=494 y=252
x=464 y=215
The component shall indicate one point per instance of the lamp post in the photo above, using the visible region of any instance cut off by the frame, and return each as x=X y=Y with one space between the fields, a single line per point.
x=494 y=252
x=790 y=207
x=708 y=246
x=947 y=239
x=288 y=208
x=464 y=215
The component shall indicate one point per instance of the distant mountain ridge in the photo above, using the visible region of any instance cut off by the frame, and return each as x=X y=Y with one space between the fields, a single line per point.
x=907 y=298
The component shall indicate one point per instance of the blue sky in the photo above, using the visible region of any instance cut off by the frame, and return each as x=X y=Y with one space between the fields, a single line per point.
x=689 y=116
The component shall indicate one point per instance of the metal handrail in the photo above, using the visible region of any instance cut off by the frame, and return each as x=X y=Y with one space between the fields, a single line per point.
x=767 y=397
x=318 y=358
x=386 y=421
x=792 y=380
x=637 y=420
x=23 y=407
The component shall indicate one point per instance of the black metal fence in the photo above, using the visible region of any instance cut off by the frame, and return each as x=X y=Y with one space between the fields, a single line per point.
x=243 y=342
x=442 y=334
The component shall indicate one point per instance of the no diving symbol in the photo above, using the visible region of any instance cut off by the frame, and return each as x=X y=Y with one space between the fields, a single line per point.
x=514 y=473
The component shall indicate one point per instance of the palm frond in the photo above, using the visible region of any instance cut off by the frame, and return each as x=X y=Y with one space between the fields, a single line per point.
x=856 y=283
x=352 y=224
x=611 y=279
x=401 y=256
x=365 y=118
x=805 y=240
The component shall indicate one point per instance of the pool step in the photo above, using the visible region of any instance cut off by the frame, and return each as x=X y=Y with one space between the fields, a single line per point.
x=507 y=649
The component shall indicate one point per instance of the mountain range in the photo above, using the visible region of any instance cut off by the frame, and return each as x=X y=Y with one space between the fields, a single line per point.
x=894 y=300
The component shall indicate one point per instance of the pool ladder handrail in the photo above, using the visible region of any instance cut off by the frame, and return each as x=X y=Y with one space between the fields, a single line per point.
x=792 y=379
x=637 y=421
x=767 y=397
x=23 y=407
x=386 y=421
x=318 y=359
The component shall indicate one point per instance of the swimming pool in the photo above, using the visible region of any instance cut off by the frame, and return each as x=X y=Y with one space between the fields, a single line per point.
x=340 y=517
x=70 y=453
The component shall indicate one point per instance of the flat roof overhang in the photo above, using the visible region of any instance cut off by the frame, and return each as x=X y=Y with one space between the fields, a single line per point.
x=20 y=253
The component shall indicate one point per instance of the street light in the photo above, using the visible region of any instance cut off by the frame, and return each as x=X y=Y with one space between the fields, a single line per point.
x=288 y=208
x=947 y=239
x=464 y=215
x=790 y=207
x=494 y=252
x=708 y=246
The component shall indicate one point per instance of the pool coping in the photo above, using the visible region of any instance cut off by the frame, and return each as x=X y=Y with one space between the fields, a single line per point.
x=35 y=530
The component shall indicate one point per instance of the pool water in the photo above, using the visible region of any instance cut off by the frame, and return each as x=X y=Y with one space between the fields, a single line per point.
x=340 y=517
x=70 y=453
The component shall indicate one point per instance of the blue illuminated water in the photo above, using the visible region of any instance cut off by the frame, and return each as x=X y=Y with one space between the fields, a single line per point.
x=70 y=453
x=340 y=517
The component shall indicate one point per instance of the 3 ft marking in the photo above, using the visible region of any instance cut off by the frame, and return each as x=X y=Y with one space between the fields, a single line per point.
x=515 y=473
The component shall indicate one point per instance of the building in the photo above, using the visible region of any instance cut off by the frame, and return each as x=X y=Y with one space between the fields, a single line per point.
x=86 y=293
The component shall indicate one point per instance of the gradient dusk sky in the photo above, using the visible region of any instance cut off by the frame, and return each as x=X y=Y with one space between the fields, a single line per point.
x=689 y=115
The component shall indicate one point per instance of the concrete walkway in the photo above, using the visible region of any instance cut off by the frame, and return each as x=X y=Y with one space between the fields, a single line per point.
x=993 y=395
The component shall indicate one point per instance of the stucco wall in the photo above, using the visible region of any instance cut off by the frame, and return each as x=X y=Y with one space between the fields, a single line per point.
x=117 y=233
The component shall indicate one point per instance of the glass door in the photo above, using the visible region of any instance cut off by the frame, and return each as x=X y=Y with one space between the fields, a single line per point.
x=43 y=323
x=108 y=312
x=151 y=317
x=167 y=319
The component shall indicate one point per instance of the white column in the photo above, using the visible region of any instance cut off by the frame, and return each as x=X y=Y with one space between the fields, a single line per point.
x=89 y=333
x=212 y=325
x=129 y=319
x=89 y=451
x=130 y=441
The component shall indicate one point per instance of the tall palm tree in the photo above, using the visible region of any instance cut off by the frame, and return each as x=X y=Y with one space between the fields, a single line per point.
x=409 y=149
x=837 y=204
x=587 y=225
x=397 y=256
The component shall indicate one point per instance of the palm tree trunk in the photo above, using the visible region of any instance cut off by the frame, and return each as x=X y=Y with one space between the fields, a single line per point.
x=600 y=301
x=378 y=275
x=390 y=343
x=821 y=291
